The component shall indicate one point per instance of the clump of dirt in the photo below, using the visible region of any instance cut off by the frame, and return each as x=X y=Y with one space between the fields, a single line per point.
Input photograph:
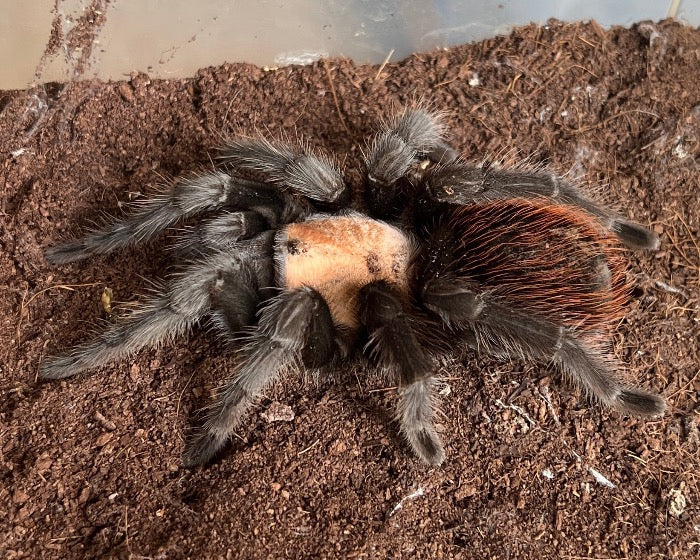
x=91 y=467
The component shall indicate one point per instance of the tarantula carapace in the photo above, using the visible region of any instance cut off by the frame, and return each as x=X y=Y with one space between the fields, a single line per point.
x=438 y=254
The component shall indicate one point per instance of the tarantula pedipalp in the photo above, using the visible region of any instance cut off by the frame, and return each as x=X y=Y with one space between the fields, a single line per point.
x=512 y=262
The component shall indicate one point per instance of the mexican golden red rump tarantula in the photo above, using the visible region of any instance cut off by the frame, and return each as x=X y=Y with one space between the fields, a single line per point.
x=439 y=254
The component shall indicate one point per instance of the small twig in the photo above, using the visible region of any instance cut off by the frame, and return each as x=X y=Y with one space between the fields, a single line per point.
x=518 y=409
x=520 y=388
x=591 y=558
x=593 y=45
x=335 y=97
x=482 y=123
x=179 y=398
x=69 y=287
x=544 y=393
x=126 y=527
x=61 y=539
x=615 y=116
x=383 y=64
x=163 y=398
x=412 y=496
x=383 y=390
x=314 y=444
x=670 y=289
x=584 y=69
x=684 y=387
x=673 y=9
x=512 y=83
x=359 y=383
x=26 y=302
x=445 y=82
x=303 y=110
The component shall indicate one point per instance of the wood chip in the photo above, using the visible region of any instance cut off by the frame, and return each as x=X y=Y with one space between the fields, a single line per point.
x=106 y=423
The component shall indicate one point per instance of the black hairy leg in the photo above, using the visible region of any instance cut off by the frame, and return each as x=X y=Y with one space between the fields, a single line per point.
x=292 y=174
x=187 y=197
x=412 y=135
x=234 y=298
x=183 y=302
x=393 y=342
x=502 y=331
x=395 y=154
x=219 y=234
x=294 y=327
x=163 y=317
x=464 y=184
x=297 y=169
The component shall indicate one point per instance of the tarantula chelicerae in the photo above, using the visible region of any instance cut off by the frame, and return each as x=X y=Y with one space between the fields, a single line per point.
x=445 y=254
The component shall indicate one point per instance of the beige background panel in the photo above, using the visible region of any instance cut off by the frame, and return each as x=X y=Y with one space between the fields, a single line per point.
x=24 y=31
x=173 y=38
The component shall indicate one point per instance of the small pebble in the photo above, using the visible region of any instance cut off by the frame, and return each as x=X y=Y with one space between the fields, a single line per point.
x=19 y=497
x=126 y=92
x=103 y=439
x=278 y=412
x=106 y=423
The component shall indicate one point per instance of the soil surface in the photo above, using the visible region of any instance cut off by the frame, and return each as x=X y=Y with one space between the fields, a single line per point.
x=90 y=467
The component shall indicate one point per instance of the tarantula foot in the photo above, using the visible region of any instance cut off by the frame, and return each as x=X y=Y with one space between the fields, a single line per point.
x=640 y=403
x=416 y=412
x=67 y=252
x=201 y=449
x=443 y=153
x=636 y=236
x=427 y=446
x=59 y=367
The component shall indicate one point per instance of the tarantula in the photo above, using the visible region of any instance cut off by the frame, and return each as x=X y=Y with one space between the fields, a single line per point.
x=441 y=254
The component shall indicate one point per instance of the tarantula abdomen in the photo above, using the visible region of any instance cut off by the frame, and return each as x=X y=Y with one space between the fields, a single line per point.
x=544 y=259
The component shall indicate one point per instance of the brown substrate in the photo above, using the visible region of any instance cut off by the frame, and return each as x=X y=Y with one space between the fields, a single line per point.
x=90 y=467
